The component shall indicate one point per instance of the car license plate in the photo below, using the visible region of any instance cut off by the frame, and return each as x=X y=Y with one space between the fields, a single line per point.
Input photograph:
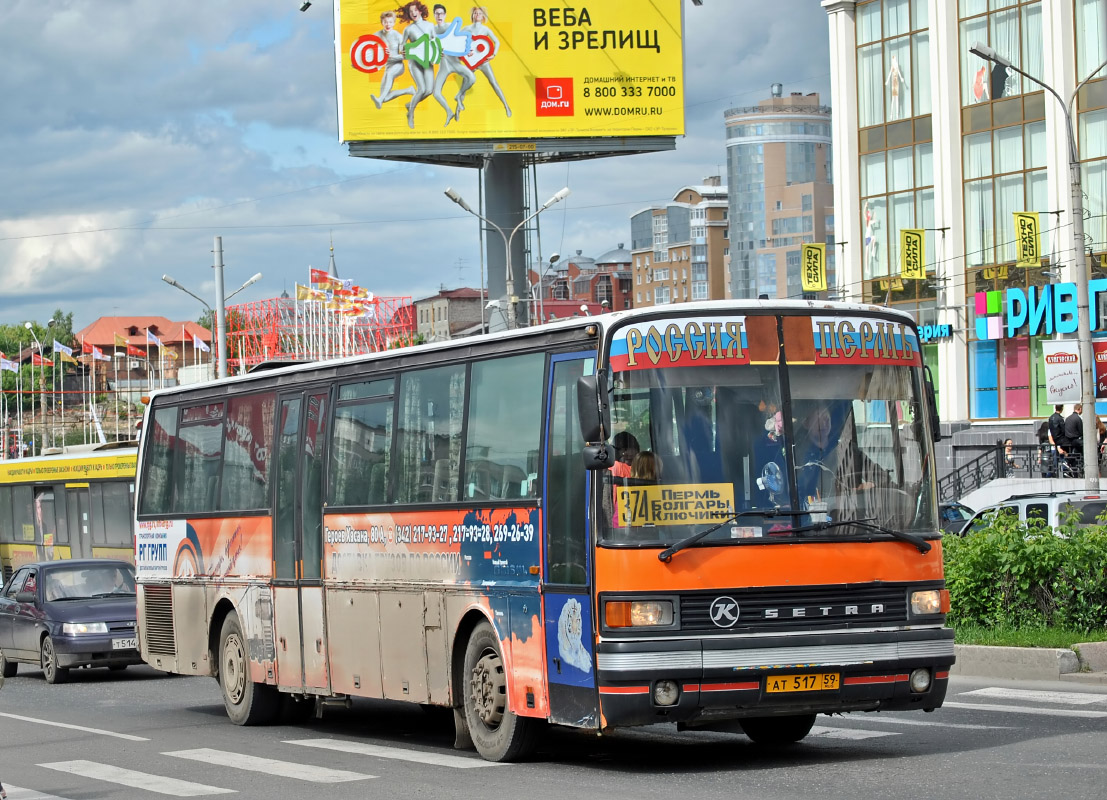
x=813 y=682
x=124 y=644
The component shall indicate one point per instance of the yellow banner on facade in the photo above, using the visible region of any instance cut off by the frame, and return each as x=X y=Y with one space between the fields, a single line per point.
x=502 y=69
x=1028 y=252
x=813 y=273
x=912 y=250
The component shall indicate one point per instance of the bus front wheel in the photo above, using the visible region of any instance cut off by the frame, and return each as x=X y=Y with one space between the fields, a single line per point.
x=497 y=732
x=247 y=703
x=778 y=730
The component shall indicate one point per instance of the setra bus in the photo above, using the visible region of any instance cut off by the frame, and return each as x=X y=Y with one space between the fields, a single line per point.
x=73 y=502
x=450 y=525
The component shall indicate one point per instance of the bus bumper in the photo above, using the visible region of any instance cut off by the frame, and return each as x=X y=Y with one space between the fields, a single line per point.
x=720 y=679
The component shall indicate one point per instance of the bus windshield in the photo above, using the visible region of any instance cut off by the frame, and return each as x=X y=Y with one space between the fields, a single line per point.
x=807 y=443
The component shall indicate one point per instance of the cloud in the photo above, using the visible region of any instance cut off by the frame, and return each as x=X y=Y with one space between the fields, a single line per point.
x=134 y=133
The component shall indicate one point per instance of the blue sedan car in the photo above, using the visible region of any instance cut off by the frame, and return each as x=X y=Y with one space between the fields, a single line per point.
x=63 y=614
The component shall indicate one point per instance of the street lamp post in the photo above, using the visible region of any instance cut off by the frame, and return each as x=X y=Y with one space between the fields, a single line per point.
x=1080 y=261
x=542 y=288
x=221 y=318
x=510 y=279
x=41 y=385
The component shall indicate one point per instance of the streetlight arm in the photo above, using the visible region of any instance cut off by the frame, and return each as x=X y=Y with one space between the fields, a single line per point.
x=176 y=285
x=988 y=54
x=250 y=282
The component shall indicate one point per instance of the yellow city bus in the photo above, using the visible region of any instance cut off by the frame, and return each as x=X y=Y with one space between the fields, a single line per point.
x=447 y=525
x=75 y=503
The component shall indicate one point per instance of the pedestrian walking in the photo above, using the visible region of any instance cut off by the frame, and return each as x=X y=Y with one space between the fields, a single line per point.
x=1073 y=436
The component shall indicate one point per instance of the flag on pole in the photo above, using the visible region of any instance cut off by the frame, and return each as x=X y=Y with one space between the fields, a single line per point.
x=199 y=344
x=61 y=348
x=98 y=354
x=153 y=339
x=67 y=358
x=319 y=276
x=86 y=347
x=8 y=364
x=120 y=341
x=135 y=351
x=39 y=361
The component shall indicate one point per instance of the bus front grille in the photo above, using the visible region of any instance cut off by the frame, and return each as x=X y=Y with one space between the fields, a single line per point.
x=160 y=638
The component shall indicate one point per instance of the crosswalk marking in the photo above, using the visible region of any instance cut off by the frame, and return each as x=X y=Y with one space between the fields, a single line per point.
x=418 y=756
x=1034 y=696
x=1042 y=712
x=19 y=793
x=99 y=731
x=136 y=780
x=270 y=766
x=848 y=733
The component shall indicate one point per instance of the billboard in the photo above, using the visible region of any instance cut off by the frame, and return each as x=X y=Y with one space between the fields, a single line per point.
x=508 y=70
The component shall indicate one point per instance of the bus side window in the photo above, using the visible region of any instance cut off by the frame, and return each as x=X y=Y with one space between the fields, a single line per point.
x=566 y=528
x=429 y=432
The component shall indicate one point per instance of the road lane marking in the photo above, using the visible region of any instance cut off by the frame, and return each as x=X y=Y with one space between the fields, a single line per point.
x=98 y=731
x=847 y=733
x=135 y=780
x=19 y=793
x=270 y=766
x=1034 y=696
x=1041 y=712
x=926 y=723
x=417 y=756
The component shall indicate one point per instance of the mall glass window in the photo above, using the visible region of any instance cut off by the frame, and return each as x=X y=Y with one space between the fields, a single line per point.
x=893 y=61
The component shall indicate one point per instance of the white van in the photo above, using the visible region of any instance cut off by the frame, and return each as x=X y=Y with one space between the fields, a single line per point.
x=1050 y=506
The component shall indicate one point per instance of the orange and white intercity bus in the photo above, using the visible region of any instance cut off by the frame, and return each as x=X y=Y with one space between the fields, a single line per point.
x=451 y=525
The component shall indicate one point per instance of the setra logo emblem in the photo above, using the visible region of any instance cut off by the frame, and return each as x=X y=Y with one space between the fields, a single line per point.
x=724 y=611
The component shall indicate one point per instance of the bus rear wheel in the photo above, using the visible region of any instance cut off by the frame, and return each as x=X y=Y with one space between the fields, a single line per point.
x=247 y=703
x=778 y=730
x=497 y=732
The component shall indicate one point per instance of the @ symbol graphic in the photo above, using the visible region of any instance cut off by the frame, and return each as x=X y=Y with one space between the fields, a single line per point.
x=724 y=611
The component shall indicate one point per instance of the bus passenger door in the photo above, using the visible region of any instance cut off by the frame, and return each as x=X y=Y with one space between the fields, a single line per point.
x=78 y=508
x=567 y=593
x=298 y=545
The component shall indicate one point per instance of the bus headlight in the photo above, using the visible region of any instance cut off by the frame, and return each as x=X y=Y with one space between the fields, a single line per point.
x=666 y=693
x=925 y=604
x=920 y=680
x=78 y=628
x=638 y=613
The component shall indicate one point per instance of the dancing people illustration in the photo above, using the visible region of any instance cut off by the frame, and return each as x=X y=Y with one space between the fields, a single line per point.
x=394 y=66
x=450 y=65
x=415 y=15
x=479 y=27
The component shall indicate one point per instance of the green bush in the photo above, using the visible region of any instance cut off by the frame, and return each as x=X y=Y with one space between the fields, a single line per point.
x=1025 y=575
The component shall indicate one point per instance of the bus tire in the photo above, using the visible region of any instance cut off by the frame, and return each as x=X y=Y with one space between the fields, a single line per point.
x=778 y=730
x=497 y=732
x=247 y=703
x=7 y=668
x=50 y=669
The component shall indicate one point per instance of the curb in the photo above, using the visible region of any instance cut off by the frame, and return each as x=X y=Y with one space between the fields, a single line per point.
x=1083 y=663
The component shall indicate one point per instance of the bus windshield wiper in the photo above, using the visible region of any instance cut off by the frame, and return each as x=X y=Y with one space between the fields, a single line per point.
x=868 y=525
x=667 y=554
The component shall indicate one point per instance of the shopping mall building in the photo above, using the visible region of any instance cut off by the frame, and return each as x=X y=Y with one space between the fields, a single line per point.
x=931 y=136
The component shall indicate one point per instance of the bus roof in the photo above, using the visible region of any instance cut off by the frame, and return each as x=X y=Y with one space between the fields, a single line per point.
x=604 y=321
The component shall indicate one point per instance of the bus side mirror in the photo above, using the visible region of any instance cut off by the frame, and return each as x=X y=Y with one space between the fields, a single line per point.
x=932 y=404
x=592 y=407
x=595 y=420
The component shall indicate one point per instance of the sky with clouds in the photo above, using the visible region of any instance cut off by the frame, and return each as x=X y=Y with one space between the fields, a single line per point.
x=133 y=133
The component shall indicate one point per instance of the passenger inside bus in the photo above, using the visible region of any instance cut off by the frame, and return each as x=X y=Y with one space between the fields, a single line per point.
x=646 y=467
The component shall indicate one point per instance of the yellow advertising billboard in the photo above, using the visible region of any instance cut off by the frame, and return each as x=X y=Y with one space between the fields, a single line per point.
x=508 y=70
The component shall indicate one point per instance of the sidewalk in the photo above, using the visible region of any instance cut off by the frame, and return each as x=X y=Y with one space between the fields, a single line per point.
x=1084 y=663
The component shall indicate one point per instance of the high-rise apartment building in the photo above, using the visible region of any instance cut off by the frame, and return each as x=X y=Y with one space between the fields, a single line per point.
x=779 y=170
x=932 y=136
x=680 y=249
